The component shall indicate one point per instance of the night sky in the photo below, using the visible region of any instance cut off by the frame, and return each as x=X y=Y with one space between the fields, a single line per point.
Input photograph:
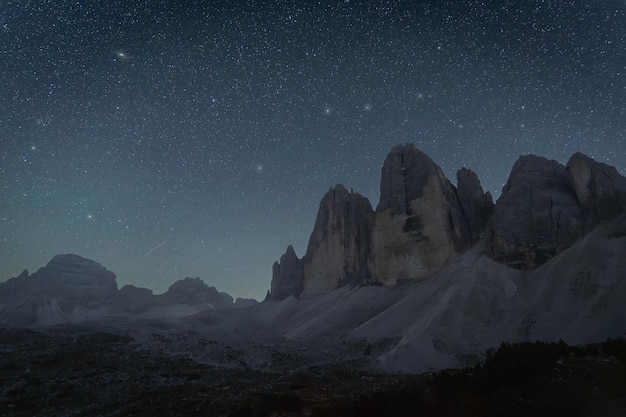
x=169 y=139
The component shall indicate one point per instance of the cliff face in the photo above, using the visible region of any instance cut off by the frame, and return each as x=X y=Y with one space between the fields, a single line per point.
x=339 y=249
x=287 y=276
x=600 y=190
x=423 y=222
x=545 y=207
x=477 y=205
x=537 y=215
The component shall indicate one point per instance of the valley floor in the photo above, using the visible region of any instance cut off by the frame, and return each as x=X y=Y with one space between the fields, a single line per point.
x=76 y=372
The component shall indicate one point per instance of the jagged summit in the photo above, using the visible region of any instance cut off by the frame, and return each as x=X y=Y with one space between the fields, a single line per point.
x=423 y=222
x=405 y=175
x=287 y=276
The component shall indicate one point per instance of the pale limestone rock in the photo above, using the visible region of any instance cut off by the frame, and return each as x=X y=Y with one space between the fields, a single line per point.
x=339 y=249
x=419 y=224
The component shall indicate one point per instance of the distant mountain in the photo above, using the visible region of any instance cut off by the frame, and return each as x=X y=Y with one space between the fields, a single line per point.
x=423 y=223
x=72 y=289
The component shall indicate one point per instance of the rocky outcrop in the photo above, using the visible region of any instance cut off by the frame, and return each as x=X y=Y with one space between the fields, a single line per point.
x=420 y=224
x=339 y=249
x=477 y=206
x=287 y=276
x=537 y=215
x=600 y=190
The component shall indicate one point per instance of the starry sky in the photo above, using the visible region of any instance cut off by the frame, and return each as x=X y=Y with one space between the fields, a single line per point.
x=196 y=138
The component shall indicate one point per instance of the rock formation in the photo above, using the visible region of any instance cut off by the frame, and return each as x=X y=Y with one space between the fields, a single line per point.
x=339 y=249
x=600 y=189
x=419 y=224
x=64 y=290
x=287 y=276
x=477 y=205
x=423 y=222
x=537 y=215
x=545 y=207
x=66 y=276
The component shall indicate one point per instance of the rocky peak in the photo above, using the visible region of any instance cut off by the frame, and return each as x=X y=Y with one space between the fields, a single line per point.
x=537 y=215
x=72 y=275
x=287 y=276
x=405 y=173
x=70 y=265
x=420 y=225
x=194 y=291
x=599 y=188
x=339 y=248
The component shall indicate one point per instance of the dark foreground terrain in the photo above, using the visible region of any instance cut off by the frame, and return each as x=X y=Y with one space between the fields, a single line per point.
x=104 y=374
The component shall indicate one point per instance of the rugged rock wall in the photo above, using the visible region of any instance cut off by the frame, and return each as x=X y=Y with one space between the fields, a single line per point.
x=477 y=205
x=599 y=188
x=419 y=224
x=423 y=222
x=287 y=276
x=546 y=207
x=339 y=249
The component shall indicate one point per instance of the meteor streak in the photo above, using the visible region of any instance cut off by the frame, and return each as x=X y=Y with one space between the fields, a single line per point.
x=155 y=248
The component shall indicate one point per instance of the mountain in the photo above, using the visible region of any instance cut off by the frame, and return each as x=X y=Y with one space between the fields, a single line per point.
x=420 y=224
x=423 y=222
x=72 y=289
x=430 y=279
x=472 y=304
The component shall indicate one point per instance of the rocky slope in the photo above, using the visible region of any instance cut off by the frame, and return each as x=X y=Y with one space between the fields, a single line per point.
x=423 y=223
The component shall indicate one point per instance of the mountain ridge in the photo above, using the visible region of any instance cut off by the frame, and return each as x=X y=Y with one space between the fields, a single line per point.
x=73 y=289
x=423 y=222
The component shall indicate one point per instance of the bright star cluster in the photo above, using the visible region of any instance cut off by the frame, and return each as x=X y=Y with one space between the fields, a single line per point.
x=173 y=139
